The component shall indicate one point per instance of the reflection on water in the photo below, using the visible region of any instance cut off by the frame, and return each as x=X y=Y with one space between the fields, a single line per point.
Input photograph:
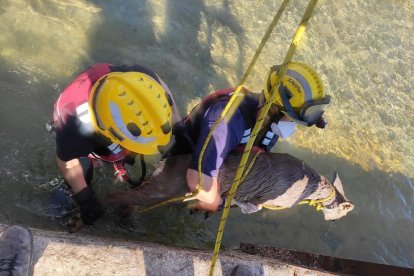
x=361 y=49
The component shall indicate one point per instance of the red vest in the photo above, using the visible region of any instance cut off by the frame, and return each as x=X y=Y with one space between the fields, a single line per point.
x=73 y=101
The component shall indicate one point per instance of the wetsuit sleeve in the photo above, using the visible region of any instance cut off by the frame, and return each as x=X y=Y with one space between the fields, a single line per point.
x=226 y=137
x=70 y=143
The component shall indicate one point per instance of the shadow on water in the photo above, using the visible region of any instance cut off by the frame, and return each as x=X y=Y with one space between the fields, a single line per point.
x=166 y=40
x=124 y=33
x=121 y=33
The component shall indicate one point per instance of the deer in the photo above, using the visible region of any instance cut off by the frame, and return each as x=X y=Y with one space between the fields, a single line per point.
x=275 y=181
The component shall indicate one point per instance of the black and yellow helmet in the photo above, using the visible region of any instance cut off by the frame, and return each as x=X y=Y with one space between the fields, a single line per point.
x=301 y=95
x=132 y=110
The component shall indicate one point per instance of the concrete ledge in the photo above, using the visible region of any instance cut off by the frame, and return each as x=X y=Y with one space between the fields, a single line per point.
x=60 y=253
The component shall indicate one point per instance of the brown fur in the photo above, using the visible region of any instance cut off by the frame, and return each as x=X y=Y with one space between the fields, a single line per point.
x=275 y=179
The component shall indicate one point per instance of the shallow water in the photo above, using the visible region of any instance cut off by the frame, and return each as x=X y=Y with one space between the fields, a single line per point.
x=362 y=50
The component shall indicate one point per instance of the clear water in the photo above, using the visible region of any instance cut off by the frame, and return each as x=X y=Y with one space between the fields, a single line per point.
x=362 y=50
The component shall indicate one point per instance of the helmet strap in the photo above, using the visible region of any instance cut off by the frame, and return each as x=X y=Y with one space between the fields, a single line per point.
x=288 y=107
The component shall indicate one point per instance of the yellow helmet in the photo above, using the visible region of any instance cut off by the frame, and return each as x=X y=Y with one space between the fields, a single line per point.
x=132 y=110
x=301 y=94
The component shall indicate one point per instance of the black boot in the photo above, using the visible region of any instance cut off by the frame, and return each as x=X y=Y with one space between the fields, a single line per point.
x=16 y=251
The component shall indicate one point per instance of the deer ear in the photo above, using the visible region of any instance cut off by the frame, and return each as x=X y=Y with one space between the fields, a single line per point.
x=338 y=185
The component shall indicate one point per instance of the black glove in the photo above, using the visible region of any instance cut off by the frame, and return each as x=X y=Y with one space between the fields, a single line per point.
x=90 y=208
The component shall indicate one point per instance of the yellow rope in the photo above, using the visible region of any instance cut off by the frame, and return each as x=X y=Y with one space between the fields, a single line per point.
x=299 y=32
x=235 y=100
x=231 y=106
x=318 y=203
x=228 y=111
x=250 y=166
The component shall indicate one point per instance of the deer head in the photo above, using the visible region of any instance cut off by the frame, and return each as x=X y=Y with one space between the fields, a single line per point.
x=340 y=206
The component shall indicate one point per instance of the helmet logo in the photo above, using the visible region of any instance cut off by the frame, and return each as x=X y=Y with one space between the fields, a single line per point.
x=295 y=85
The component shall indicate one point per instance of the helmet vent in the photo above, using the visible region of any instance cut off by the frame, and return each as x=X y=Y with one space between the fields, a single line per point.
x=123 y=94
x=150 y=86
x=145 y=123
x=165 y=105
x=159 y=96
x=149 y=132
x=134 y=129
x=166 y=128
x=141 y=79
x=138 y=113
x=130 y=103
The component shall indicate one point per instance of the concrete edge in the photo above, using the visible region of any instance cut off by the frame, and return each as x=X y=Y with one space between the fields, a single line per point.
x=61 y=253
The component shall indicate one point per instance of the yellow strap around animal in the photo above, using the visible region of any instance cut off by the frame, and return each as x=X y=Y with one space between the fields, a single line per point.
x=317 y=203
x=265 y=109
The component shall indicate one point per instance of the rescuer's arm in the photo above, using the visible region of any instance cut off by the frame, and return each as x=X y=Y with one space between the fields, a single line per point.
x=209 y=198
x=90 y=207
x=226 y=136
x=72 y=172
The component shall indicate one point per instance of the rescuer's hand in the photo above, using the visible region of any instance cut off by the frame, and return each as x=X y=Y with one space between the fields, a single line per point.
x=90 y=208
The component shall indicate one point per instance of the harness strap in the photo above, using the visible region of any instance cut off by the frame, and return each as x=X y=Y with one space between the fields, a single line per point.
x=317 y=203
